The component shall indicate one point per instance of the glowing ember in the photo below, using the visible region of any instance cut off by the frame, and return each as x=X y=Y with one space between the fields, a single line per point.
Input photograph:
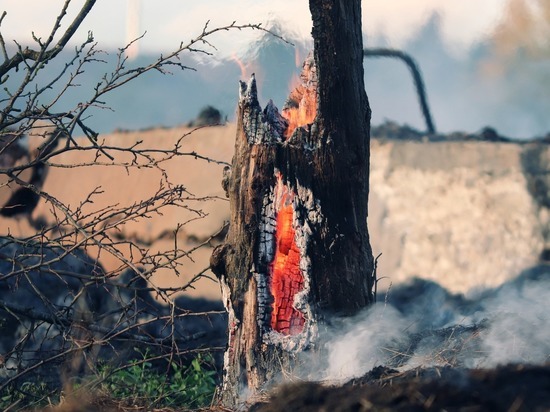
x=301 y=107
x=286 y=279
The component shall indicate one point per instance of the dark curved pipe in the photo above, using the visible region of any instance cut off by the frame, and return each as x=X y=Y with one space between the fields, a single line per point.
x=417 y=77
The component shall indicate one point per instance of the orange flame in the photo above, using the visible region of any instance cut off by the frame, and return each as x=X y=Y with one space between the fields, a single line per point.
x=286 y=278
x=301 y=107
x=241 y=65
x=297 y=57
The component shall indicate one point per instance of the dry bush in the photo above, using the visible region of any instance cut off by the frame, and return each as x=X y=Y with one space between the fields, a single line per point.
x=62 y=314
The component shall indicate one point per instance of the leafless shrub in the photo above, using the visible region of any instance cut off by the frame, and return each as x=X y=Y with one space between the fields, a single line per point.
x=60 y=310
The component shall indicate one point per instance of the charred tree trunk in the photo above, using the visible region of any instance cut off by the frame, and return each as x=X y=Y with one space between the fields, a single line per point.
x=298 y=245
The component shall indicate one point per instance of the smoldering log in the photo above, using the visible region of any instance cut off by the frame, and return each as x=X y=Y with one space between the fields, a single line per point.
x=283 y=263
x=298 y=247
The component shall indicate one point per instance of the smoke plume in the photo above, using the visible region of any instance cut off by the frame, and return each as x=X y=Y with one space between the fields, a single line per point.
x=420 y=324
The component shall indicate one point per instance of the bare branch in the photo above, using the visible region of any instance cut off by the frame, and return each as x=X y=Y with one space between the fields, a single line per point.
x=44 y=54
x=80 y=309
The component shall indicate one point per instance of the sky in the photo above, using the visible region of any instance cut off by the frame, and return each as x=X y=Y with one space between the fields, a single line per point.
x=168 y=22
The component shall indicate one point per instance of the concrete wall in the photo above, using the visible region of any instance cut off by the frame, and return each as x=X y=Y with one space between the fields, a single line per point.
x=459 y=213
x=466 y=214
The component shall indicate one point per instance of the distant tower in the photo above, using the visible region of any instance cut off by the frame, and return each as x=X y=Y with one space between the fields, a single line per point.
x=133 y=15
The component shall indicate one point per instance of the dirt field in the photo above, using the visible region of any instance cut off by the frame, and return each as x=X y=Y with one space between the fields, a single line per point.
x=125 y=187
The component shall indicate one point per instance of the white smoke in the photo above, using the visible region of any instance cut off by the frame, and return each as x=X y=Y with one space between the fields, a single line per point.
x=519 y=325
x=363 y=342
x=422 y=325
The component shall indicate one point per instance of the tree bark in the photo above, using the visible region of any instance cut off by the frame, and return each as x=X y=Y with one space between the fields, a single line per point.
x=298 y=246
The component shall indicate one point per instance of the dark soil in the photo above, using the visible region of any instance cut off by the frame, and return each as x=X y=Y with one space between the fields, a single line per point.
x=508 y=388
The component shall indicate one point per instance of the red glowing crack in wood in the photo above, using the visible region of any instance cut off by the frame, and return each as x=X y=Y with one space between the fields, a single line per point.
x=286 y=278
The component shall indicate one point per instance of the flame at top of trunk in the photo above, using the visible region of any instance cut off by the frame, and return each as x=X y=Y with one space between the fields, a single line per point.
x=301 y=107
x=242 y=66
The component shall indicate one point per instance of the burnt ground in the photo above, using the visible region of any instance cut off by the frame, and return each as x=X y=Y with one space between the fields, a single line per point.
x=507 y=388
x=452 y=382
x=512 y=388
x=434 y=336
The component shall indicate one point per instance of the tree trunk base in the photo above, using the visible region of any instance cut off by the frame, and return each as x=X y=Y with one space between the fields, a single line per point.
x=298 y=245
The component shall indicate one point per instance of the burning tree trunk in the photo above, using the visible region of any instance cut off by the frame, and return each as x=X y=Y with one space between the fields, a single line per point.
x=298 y=245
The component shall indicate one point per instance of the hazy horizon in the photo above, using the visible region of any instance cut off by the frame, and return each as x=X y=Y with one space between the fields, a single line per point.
x=463 y=23
x=477 y=67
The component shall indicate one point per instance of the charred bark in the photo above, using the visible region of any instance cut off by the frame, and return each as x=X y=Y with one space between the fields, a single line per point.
x=298 y=245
